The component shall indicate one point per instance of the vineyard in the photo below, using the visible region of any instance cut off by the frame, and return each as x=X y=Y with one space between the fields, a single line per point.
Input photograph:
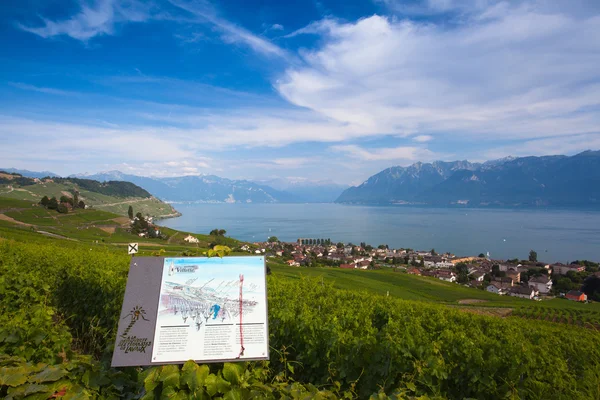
x=59 y=307
x=583 y=318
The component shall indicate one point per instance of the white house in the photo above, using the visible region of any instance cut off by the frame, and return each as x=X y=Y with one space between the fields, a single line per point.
x=523 y=292
x=497 y=288
x=191 y=239
x=447 y=276
x=478 y=276
x=542 y=284
x=444 y=264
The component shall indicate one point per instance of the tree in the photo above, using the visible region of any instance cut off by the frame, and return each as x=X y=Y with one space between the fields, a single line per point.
x=495 y=270
x=53 y=204
x=75 y=199
x=406 y=259
x=382 y=246
x=462 y=271
x=433 y=253
x=368 y=247
x=481 y=255
x=339 y=245
x=591 y=287
x=61 y=208
x=532 y=256
x=81 y=204
x=45 y=200
x=273 y=239
x=130 y=212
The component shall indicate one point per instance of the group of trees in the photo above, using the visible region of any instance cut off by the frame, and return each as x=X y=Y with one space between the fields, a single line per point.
x=585 y=281
x=218 y=232
x=61 y=204
x=141 y=225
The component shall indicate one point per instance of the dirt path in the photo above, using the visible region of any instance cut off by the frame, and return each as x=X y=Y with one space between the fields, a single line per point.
x=172 y=237
x=471 y=301
x=54 y=235
x=492 y=311
x=116 y=204
x=14 y=221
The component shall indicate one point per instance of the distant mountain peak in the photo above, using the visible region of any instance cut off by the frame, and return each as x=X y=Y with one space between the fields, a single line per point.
x=510 y=181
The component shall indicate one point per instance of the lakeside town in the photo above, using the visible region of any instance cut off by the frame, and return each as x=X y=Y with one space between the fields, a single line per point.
x=529 y=279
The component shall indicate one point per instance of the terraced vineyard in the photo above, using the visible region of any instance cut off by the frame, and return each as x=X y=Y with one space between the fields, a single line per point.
x=583 y=318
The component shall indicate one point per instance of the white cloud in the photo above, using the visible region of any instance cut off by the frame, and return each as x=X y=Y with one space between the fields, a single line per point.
x=276 y=27
x=422 y=138
x=164 y=168
x=406 y=153
x=95 y=18
x=515 y=73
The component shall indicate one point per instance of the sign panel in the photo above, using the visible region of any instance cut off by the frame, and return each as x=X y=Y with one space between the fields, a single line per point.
x=204 y=309
x=132 y=248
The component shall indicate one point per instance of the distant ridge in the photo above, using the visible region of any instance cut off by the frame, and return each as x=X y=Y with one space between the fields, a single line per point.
x=29 y=174
x=525 y=181
x=200 y=188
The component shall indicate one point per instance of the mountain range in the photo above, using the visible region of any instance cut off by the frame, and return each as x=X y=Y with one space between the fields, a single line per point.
x=214 y=189
x=526 y=181
x=561 y=181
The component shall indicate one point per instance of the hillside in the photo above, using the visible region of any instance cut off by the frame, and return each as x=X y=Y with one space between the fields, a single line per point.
x=24 y=220
x=112 y=196
x=60 y=302
x=559 y=181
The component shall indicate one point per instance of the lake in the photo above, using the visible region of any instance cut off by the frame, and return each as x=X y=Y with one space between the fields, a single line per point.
x=556 y=235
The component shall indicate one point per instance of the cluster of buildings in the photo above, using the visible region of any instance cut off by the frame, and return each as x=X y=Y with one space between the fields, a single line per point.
x=495 y=276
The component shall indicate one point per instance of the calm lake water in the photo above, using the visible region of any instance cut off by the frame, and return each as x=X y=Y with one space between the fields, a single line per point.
x=556 y=235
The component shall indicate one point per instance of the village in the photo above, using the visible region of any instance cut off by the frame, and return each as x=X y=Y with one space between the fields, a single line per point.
x=527 y=279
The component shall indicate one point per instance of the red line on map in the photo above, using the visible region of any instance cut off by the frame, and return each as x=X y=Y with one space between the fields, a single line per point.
x=241 y=316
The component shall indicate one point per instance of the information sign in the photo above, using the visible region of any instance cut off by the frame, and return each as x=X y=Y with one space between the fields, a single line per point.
x=203 y=309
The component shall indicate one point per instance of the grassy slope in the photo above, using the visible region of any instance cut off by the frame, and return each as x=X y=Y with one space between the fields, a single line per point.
x=117 y=205
x=410 y=287
x=94 y=227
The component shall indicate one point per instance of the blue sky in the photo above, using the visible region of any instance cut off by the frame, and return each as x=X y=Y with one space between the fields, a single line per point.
x=317 y=90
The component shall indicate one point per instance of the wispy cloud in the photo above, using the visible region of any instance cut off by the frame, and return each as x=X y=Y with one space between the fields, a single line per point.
x=40 y=89
x=231 y=33
x=100 y=17
x=406 y=153
x=94 y=19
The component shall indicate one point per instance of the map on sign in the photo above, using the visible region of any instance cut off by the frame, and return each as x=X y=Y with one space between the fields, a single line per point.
x=211 y=309
x=132 y=248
